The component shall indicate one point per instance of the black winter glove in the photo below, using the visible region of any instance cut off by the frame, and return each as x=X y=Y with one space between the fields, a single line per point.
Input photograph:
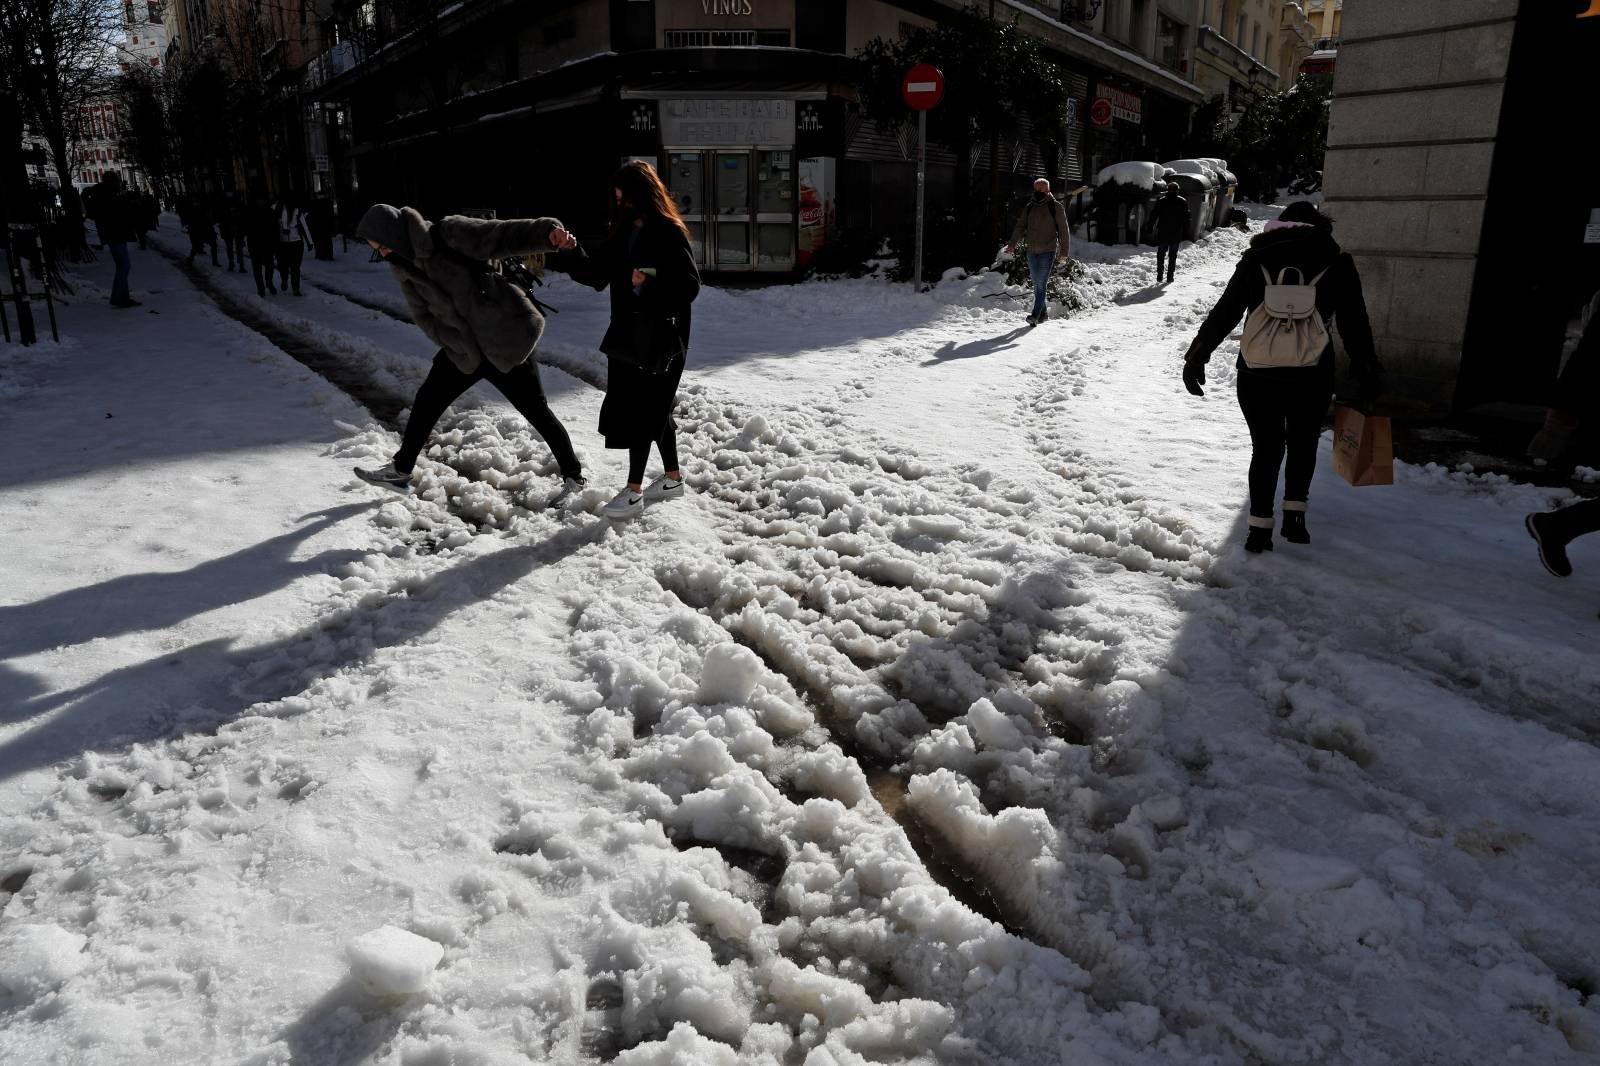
x=1194 y=376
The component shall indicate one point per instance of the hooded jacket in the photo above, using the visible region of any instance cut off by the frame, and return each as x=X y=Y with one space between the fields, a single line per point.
x=441 y=270
x=1172 y=219
x=1313 y=251
x=1042 y=225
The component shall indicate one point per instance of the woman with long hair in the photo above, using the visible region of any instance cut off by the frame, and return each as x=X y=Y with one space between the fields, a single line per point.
x=648 y=262
x=1284 y=405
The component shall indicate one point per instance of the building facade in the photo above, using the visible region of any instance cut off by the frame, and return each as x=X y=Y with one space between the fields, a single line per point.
x=1242 y=47
x=1469 y=213
x=749 y=110
x=97 y=149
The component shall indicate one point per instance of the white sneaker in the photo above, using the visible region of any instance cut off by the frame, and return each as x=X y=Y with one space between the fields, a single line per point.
x=664 y=488
x=625 y=504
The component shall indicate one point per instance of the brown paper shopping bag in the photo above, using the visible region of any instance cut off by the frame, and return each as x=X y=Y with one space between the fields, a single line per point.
x=1363 y=448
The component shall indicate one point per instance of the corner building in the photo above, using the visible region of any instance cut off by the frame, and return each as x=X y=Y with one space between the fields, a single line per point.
x=748 y=108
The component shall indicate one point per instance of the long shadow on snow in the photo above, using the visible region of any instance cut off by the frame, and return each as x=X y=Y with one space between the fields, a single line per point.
x=346 y=1026
x=975 y=349
x=1324 y=755
x=138 y=602
x=205 y=686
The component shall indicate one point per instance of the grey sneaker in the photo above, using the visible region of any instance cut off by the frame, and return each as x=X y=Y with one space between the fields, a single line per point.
x=387 y=476
x=664 y=488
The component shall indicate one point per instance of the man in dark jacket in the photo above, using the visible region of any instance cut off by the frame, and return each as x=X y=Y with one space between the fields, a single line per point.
x=202 y=229
x=1284 y=407
x=117 y=218
x=486 y=328
x=261 y=236
x=1042 y=227
x=1579 y=400
x=1172 y=226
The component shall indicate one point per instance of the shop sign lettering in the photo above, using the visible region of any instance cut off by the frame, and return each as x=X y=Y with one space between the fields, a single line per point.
x=742 y=7
x=694 y=123
x=1124 y=105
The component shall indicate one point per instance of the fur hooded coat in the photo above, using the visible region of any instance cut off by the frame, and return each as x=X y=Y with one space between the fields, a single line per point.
x=440 y=266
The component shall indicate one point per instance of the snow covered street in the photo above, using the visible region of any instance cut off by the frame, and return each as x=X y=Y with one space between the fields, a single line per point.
x=944 y=721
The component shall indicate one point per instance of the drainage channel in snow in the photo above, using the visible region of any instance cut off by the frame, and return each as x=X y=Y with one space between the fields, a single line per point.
x=384 y=404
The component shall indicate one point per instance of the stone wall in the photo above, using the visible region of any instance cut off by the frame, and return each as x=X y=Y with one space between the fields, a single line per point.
x=1416 y=110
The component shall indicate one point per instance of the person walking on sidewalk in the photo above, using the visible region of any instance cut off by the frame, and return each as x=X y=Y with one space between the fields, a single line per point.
x=292 y=241
x=1579 y=392
x=486 y=327
x=1042 y=228
x=1172 y=226
x=261 y=236
x=1284 y=406
x=648 y=262
x=202 y=229
x=230 y=225
x=119 y=223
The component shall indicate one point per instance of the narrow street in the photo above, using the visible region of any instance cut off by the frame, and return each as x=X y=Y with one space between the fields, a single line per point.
x=944 y=721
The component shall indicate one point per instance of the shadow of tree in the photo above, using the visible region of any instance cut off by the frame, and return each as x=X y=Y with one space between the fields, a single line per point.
x=137 y=602
x=204 y=686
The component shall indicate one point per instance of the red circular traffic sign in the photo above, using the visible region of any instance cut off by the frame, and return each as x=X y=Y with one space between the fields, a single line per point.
x=1100 y=112
x=923 y=87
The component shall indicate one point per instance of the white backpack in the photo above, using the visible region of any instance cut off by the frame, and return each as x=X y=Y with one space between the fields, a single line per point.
x=1287 y=329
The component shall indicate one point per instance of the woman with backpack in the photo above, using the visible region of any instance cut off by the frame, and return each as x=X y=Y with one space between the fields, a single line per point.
x=648 y=262
x=292 y=241
x=485 y=326
x=1293 y=281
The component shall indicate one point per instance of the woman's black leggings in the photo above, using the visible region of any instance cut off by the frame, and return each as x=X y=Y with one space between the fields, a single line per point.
x=520 y=385
x=1284 y=410
x=639 y=454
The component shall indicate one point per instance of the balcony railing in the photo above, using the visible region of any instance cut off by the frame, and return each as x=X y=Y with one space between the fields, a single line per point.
x=332 y=63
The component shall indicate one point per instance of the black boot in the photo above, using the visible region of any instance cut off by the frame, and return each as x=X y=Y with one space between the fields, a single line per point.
x=1294 y=527
x=1552 y=546
x=1258 y=540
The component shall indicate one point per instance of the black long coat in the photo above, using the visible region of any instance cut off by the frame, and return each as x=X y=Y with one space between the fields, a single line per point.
x=638 y=405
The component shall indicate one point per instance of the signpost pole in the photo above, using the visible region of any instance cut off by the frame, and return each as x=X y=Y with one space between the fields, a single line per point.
x=922 y=188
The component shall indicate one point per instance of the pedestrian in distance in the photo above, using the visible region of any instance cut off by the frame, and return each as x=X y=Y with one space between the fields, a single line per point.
x=292 y=241
x=1042 y=229
x=1285 y=405
x=231 y=227
x=1578 y=409
x=202 y=230
x=261 y=238
x=118 y=222
x=486 y=327
x=1172 y=226
x=647 y=261
x=320 y=221
x=91 y=208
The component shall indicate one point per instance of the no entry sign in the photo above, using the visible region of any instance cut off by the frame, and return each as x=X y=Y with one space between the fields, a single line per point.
x=923 y=87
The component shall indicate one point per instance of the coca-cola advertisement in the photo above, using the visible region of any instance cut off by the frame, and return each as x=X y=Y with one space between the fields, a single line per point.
x=816 y=206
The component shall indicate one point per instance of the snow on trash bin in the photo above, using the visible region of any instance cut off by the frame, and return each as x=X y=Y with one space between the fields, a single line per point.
x=393 y=961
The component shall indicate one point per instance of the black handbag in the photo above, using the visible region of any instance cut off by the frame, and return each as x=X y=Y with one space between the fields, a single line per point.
x=648 y=340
